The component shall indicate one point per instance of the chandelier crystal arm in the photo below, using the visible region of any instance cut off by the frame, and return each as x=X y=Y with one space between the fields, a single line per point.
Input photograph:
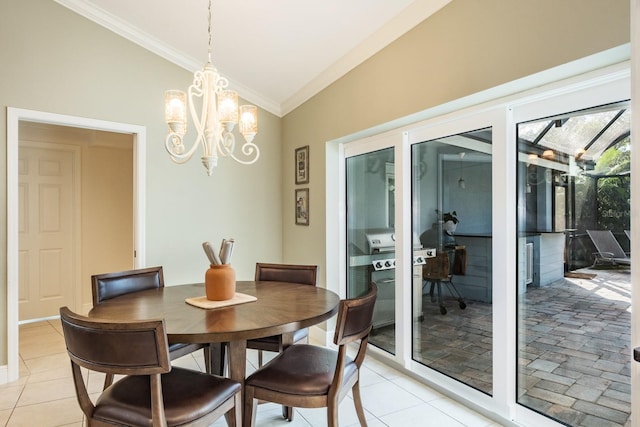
x=250 y=150
x=170 y=144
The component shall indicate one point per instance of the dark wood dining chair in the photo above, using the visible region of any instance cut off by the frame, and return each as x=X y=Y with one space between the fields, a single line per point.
x=291 y=273
x=151 y=391
x=111 y=285
x=310 y=376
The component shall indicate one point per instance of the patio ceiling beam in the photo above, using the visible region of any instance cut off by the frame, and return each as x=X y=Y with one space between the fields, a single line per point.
x=604 y=129
x=546 y=129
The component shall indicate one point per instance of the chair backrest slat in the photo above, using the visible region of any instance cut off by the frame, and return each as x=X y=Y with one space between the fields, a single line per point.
x=110 y=285
x=355 y=317
x=135 y=347
x=291 y=273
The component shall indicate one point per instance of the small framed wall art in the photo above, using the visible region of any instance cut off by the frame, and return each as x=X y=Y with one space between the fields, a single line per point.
x=302 y=206
x=302 y=165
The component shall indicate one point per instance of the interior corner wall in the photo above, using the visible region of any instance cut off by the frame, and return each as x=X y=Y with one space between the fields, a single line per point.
x=107 y=210
x=59 y=62
x=467 y=47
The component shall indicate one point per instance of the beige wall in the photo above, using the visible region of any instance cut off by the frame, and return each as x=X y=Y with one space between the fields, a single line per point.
x=467 y=47
x=56 y=61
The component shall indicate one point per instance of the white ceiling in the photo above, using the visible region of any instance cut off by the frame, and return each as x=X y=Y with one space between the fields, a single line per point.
x=275 y=53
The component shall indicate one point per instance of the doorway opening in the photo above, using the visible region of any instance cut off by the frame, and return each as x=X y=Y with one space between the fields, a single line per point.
x=14 y=118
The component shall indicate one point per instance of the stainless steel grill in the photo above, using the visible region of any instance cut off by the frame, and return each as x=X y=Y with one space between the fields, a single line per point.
x=380 y=258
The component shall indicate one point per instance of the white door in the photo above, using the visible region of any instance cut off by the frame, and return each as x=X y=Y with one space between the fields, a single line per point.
x=48 y=228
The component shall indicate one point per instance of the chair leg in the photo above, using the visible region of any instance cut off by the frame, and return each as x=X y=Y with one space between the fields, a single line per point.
x=454 y=290
x=207 y=359
x=108 y=380
x=357 y=400
x=443 y=309
x=214 y=356
x=250 y=408
x=287 y=413
x=234 y=415
x=259 y=358
x=332 y=414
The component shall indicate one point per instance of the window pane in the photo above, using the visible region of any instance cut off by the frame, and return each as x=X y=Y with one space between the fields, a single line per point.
x=574 y=306
x=451 y=196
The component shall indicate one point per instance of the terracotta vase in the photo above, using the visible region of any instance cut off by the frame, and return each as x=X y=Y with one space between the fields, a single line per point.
x=220 y=282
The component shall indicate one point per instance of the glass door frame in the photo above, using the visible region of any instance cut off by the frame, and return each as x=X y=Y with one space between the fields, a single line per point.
x=584 y=92
x=403 y=275
x=457 y=123
x=598 y=87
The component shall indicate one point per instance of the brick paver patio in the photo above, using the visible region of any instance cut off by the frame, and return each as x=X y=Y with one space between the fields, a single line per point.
x=575 y=356
x=574 y=353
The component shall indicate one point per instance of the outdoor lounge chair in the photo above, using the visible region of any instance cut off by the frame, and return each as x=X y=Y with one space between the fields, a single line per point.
x=609 y=250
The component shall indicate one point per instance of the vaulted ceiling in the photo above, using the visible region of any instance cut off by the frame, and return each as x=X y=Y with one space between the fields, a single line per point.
x=275 y=53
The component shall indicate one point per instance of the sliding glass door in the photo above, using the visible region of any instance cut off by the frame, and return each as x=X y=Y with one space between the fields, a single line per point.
x=574 y=283
x=499 y=237
x=370 y=191
x=452 y=210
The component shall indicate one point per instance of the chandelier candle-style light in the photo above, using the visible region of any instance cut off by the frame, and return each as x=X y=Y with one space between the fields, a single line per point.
x=218 y=116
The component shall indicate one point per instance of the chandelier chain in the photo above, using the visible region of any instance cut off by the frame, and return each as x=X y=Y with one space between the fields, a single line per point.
x=209 y=30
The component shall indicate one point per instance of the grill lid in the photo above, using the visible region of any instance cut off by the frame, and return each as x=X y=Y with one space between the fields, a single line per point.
x=381 y=242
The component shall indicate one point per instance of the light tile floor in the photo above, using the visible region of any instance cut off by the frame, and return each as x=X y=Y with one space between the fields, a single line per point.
x=44 y=395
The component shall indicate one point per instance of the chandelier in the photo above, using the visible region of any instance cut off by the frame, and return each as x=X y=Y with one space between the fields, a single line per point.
x=219 y=113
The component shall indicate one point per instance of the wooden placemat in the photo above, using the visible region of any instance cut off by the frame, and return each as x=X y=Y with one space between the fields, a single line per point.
x=203 y=302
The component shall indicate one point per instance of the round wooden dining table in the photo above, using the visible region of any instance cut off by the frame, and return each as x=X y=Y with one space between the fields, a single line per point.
x=280 y=308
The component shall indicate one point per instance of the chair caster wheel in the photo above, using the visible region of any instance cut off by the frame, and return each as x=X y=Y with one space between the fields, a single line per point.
x=462 y=305
x=443 y=310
